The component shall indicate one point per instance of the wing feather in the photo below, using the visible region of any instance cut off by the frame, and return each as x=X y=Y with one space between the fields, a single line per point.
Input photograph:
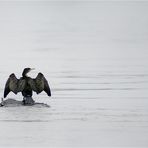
x=46 y=87
x=11 y=85
x=40 y=84
x=21 y=84
x=32 y=83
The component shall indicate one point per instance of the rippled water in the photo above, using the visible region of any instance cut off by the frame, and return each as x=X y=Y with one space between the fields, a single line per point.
x=94 y=55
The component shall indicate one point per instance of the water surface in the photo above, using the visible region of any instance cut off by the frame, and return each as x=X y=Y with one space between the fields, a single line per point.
x=94 y=55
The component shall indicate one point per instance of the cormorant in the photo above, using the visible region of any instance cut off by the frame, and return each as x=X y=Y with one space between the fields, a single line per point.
x=26 y=85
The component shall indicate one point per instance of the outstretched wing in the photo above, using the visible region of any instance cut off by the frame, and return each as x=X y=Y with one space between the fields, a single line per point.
x=40 y=84
x=21 y=84
x=13 y=84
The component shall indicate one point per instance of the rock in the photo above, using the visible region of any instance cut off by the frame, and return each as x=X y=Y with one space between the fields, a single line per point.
x=15 y=103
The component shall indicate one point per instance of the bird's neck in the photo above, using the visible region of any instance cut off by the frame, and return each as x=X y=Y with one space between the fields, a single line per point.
x=24 y=75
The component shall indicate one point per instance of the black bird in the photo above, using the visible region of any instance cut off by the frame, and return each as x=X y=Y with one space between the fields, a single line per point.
x=26 y=84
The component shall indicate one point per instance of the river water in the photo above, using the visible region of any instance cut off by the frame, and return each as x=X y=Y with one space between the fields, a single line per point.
x=95 y=58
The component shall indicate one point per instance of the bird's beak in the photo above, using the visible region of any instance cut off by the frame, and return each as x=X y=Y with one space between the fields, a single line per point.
x=32 y=68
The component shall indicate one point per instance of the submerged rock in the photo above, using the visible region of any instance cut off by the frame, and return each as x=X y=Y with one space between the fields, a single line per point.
x=14 y=103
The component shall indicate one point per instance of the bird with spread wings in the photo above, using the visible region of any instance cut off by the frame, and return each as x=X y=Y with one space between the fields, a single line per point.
x=26 y=85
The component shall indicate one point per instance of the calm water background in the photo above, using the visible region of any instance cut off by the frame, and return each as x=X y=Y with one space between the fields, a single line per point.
x=95 y=57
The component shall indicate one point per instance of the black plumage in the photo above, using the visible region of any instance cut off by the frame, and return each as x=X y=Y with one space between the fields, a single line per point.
x=26 y=84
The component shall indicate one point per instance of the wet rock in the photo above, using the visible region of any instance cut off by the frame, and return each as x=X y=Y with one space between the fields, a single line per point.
x=15 y=103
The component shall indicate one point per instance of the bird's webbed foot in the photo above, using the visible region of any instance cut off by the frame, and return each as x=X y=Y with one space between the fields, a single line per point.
x=28 y=101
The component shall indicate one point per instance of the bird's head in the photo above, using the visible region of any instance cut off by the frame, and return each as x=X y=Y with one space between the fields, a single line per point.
x=26 y=70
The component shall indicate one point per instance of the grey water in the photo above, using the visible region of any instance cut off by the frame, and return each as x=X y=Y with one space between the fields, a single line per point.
x=94 y=56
